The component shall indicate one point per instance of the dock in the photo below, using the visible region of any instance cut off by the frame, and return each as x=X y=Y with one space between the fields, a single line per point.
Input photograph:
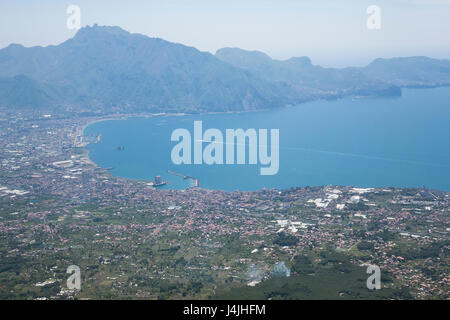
x=196 y=181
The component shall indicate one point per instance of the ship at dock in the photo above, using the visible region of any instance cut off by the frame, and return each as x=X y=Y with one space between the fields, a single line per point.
x=159 y=181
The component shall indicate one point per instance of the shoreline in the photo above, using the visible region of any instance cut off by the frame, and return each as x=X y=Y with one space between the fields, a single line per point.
x=166 y=114
x=80 y=134
x=93 y=120
x=179 y=114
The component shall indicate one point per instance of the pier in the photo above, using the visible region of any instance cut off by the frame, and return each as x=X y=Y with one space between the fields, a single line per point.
x=196 y=181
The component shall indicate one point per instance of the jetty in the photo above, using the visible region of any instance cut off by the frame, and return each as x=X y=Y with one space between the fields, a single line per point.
x=196 y=181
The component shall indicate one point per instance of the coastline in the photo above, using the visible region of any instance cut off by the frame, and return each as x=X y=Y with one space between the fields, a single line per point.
x=413 y=184
x=165 y=114
x=80 y=131
x=179 y=114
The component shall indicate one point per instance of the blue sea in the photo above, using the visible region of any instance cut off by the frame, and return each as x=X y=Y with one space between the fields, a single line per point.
x=370 y=142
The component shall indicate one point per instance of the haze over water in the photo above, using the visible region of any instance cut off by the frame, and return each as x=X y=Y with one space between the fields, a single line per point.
x=396 y=142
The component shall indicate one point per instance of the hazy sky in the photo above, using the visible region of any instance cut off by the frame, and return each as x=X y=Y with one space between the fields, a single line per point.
x=331 y=32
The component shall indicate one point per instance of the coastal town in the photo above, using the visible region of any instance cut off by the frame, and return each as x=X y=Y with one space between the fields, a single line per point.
x=132 y=240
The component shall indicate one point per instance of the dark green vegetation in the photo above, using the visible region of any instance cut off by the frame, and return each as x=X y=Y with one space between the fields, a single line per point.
x=425 y=252
x=284 y=239
x=105 y=70
x=333 y=276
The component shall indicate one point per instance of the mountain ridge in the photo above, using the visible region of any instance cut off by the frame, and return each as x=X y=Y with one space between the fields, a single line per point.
x=107 y=69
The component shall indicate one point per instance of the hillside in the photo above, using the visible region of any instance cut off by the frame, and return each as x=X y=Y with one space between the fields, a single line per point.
x=107 y=69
